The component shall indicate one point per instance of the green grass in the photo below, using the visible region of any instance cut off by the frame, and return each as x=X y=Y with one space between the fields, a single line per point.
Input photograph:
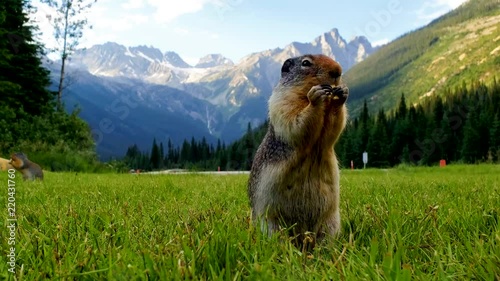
x=400 y=224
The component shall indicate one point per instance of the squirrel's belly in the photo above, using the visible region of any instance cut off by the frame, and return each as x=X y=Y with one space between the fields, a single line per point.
x=306 y=198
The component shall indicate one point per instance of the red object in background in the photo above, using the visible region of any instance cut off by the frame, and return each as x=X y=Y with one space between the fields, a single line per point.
x=442 y=163
x=138 y=171
x=352 y=165
x=218 y=169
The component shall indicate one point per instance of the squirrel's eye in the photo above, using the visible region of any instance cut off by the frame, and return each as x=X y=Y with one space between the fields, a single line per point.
x=306 y=63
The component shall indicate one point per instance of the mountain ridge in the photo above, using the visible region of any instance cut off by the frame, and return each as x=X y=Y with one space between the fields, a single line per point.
x=460 y=46
x=235 y=93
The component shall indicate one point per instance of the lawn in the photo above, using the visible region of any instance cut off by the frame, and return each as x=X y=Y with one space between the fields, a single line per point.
x=398 y=224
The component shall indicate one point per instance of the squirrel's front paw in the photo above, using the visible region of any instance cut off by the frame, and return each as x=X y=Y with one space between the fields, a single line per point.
x=339 y=95
x=319 y=93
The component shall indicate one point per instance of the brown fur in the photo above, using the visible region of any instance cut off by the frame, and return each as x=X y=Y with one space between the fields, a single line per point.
x=294 y=179
x=30 y=170
x=5 y=165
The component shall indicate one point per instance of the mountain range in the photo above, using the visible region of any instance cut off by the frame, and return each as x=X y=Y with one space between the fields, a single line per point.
x=134 y=94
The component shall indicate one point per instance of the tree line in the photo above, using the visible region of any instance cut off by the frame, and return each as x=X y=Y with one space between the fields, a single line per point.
x=461 y=125
x=30 y=119
x=197 y=154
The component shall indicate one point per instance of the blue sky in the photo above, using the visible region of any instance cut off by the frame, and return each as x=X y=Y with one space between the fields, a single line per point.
x=236 y=28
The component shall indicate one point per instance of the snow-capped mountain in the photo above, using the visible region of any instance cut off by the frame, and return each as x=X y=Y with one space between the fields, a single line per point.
x=175 y=60
x=213 y=60
x=238 y=92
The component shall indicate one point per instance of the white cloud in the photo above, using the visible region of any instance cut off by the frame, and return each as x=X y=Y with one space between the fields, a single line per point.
x=105 y=22
x=380 y=42
x=43 y=20
x=119 y=24
x=451 y=3
x=181 y=31
x=190 y=60
x=166 y=10
x=133 y=4
x=433 y=9
x=92 y=38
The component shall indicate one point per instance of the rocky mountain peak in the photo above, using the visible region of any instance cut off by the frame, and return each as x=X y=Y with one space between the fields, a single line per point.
x=360 y=48
x=174 y=59
x=329 y=39
x=147 y=52
x=213 y=60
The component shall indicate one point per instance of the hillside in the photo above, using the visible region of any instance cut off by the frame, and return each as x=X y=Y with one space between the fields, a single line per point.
x=459 y=47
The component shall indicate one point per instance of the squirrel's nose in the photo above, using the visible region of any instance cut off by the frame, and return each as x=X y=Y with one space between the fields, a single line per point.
x=334 y=74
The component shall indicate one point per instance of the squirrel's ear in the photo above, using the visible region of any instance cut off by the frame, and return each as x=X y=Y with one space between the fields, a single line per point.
x=286 y=66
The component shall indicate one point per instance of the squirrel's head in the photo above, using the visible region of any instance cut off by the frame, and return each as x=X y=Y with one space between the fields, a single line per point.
x=17 y=160
x=310 y=70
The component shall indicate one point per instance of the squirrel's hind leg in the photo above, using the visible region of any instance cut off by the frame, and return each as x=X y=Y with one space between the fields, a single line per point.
x=331 y=227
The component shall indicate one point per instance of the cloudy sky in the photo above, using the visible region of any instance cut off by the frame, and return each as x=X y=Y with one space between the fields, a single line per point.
x=236 y=28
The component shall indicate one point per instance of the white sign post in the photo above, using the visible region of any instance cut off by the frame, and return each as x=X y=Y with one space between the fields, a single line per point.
x=365 y=159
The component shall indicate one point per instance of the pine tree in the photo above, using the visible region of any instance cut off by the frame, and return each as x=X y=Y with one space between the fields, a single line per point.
x=402 y=109
x=249 y=147
x=185 y=153
x=365 y=116
x=23 y=80
x=378 y=143
x=438 y=111
x=365 y=128
x=170 y=153
x=162 y=157
x=470 y=150
x=494 y=138
x=27 y=107
x=132 y=157
x=194 y=154
x=155 y=156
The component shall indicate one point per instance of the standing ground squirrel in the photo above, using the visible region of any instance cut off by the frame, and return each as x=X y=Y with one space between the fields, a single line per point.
x=30 y=170
x=294 y=179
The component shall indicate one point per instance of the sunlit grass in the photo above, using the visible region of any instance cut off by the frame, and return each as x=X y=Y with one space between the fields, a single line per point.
x=399 y=224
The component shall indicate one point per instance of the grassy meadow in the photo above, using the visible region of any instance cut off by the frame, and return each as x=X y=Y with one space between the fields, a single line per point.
x=399 y=224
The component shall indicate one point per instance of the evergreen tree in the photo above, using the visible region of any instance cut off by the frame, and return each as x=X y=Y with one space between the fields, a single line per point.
x=145 y=162
x=438 y=111
x=170 y=153
x=23 y=80
x=132 y=157
x=365 y=116
x=495 y=139
x=28 y=119
x=365 y=128
x=194 y=154
x=185 y=153
x=249 y=147
x=223 y=158
x=155 y=156
x=402 y=109
x=398 y=142
x=378 y=142
x=470 y=152
x=162 y=157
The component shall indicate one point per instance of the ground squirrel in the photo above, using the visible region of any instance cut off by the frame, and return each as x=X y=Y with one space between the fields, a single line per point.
x=5 y=165
x=294 y=179
x=30 y=170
